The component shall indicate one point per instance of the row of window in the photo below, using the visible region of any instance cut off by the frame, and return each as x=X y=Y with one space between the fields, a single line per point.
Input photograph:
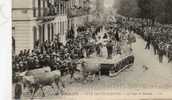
x=52 y=29
x=47 y=8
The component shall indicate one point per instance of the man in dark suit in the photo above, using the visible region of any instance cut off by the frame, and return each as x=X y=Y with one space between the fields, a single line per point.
x=18 y=90
x=149 y=39
x=109 y=47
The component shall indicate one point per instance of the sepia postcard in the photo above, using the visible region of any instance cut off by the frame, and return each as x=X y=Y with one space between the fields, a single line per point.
x=90 y=49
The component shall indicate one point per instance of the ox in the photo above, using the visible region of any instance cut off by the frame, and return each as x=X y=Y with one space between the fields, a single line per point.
x=36 y=82
x=92 y=69
x=35 y=72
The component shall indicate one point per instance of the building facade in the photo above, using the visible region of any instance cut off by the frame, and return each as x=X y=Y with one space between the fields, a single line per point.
x=41 y=20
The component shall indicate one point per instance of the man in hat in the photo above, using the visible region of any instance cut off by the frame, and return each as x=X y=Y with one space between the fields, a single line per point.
x=117 y=35
x=161 y=52
x=148 y=42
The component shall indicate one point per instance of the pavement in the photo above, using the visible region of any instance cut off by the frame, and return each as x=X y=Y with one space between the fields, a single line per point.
x=146 y=73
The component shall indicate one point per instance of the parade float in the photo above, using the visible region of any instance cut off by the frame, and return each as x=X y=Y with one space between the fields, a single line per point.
x=112 y=67
x=119 y=61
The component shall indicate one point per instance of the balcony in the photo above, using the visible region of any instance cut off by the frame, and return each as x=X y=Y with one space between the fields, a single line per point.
x=51 y=11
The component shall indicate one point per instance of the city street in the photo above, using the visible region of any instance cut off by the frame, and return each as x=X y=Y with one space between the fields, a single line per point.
x=71 y=48
x=136 y=77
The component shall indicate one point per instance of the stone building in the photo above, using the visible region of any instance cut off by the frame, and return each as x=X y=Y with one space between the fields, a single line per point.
x=34 y=20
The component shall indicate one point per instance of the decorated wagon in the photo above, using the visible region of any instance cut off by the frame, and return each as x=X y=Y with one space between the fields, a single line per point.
x=114 y=66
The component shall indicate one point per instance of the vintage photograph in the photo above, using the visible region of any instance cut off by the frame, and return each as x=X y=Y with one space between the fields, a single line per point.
x=64 y=48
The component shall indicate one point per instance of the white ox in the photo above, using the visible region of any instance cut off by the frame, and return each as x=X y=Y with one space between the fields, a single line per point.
x=37 y=71
x=88 y=68
x=38 y=81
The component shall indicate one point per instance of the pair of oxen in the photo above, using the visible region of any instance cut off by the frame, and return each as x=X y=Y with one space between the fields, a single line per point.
x=39 y=78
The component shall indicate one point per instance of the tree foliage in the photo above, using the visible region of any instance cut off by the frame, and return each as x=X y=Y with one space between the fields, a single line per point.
x=159 y=10
x=128 y=8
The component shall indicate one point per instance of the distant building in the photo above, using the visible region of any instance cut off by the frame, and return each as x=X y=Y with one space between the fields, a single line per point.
x=34 y=20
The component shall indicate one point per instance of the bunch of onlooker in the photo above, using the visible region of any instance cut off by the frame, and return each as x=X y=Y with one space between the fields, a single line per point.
x=157 y=35
x=53 y=53
x=57 y=55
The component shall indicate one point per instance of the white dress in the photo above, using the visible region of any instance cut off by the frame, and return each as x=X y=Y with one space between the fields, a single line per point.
x=104 y=51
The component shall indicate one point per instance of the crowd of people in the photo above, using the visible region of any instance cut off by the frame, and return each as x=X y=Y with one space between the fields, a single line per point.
x=60 y=56
x=157 y=36
x=64 y=57
x=53 y=54
x=118 y=37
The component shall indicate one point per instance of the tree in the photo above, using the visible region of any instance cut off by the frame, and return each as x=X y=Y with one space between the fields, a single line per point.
x=151 y=9
x=167 y=12
x=128 y=8
x=157 y=10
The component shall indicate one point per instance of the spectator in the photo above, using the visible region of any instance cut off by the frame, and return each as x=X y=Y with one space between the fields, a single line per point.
x=18 y=89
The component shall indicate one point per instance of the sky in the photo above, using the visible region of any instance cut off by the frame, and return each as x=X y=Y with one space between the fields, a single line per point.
x=108 y=3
